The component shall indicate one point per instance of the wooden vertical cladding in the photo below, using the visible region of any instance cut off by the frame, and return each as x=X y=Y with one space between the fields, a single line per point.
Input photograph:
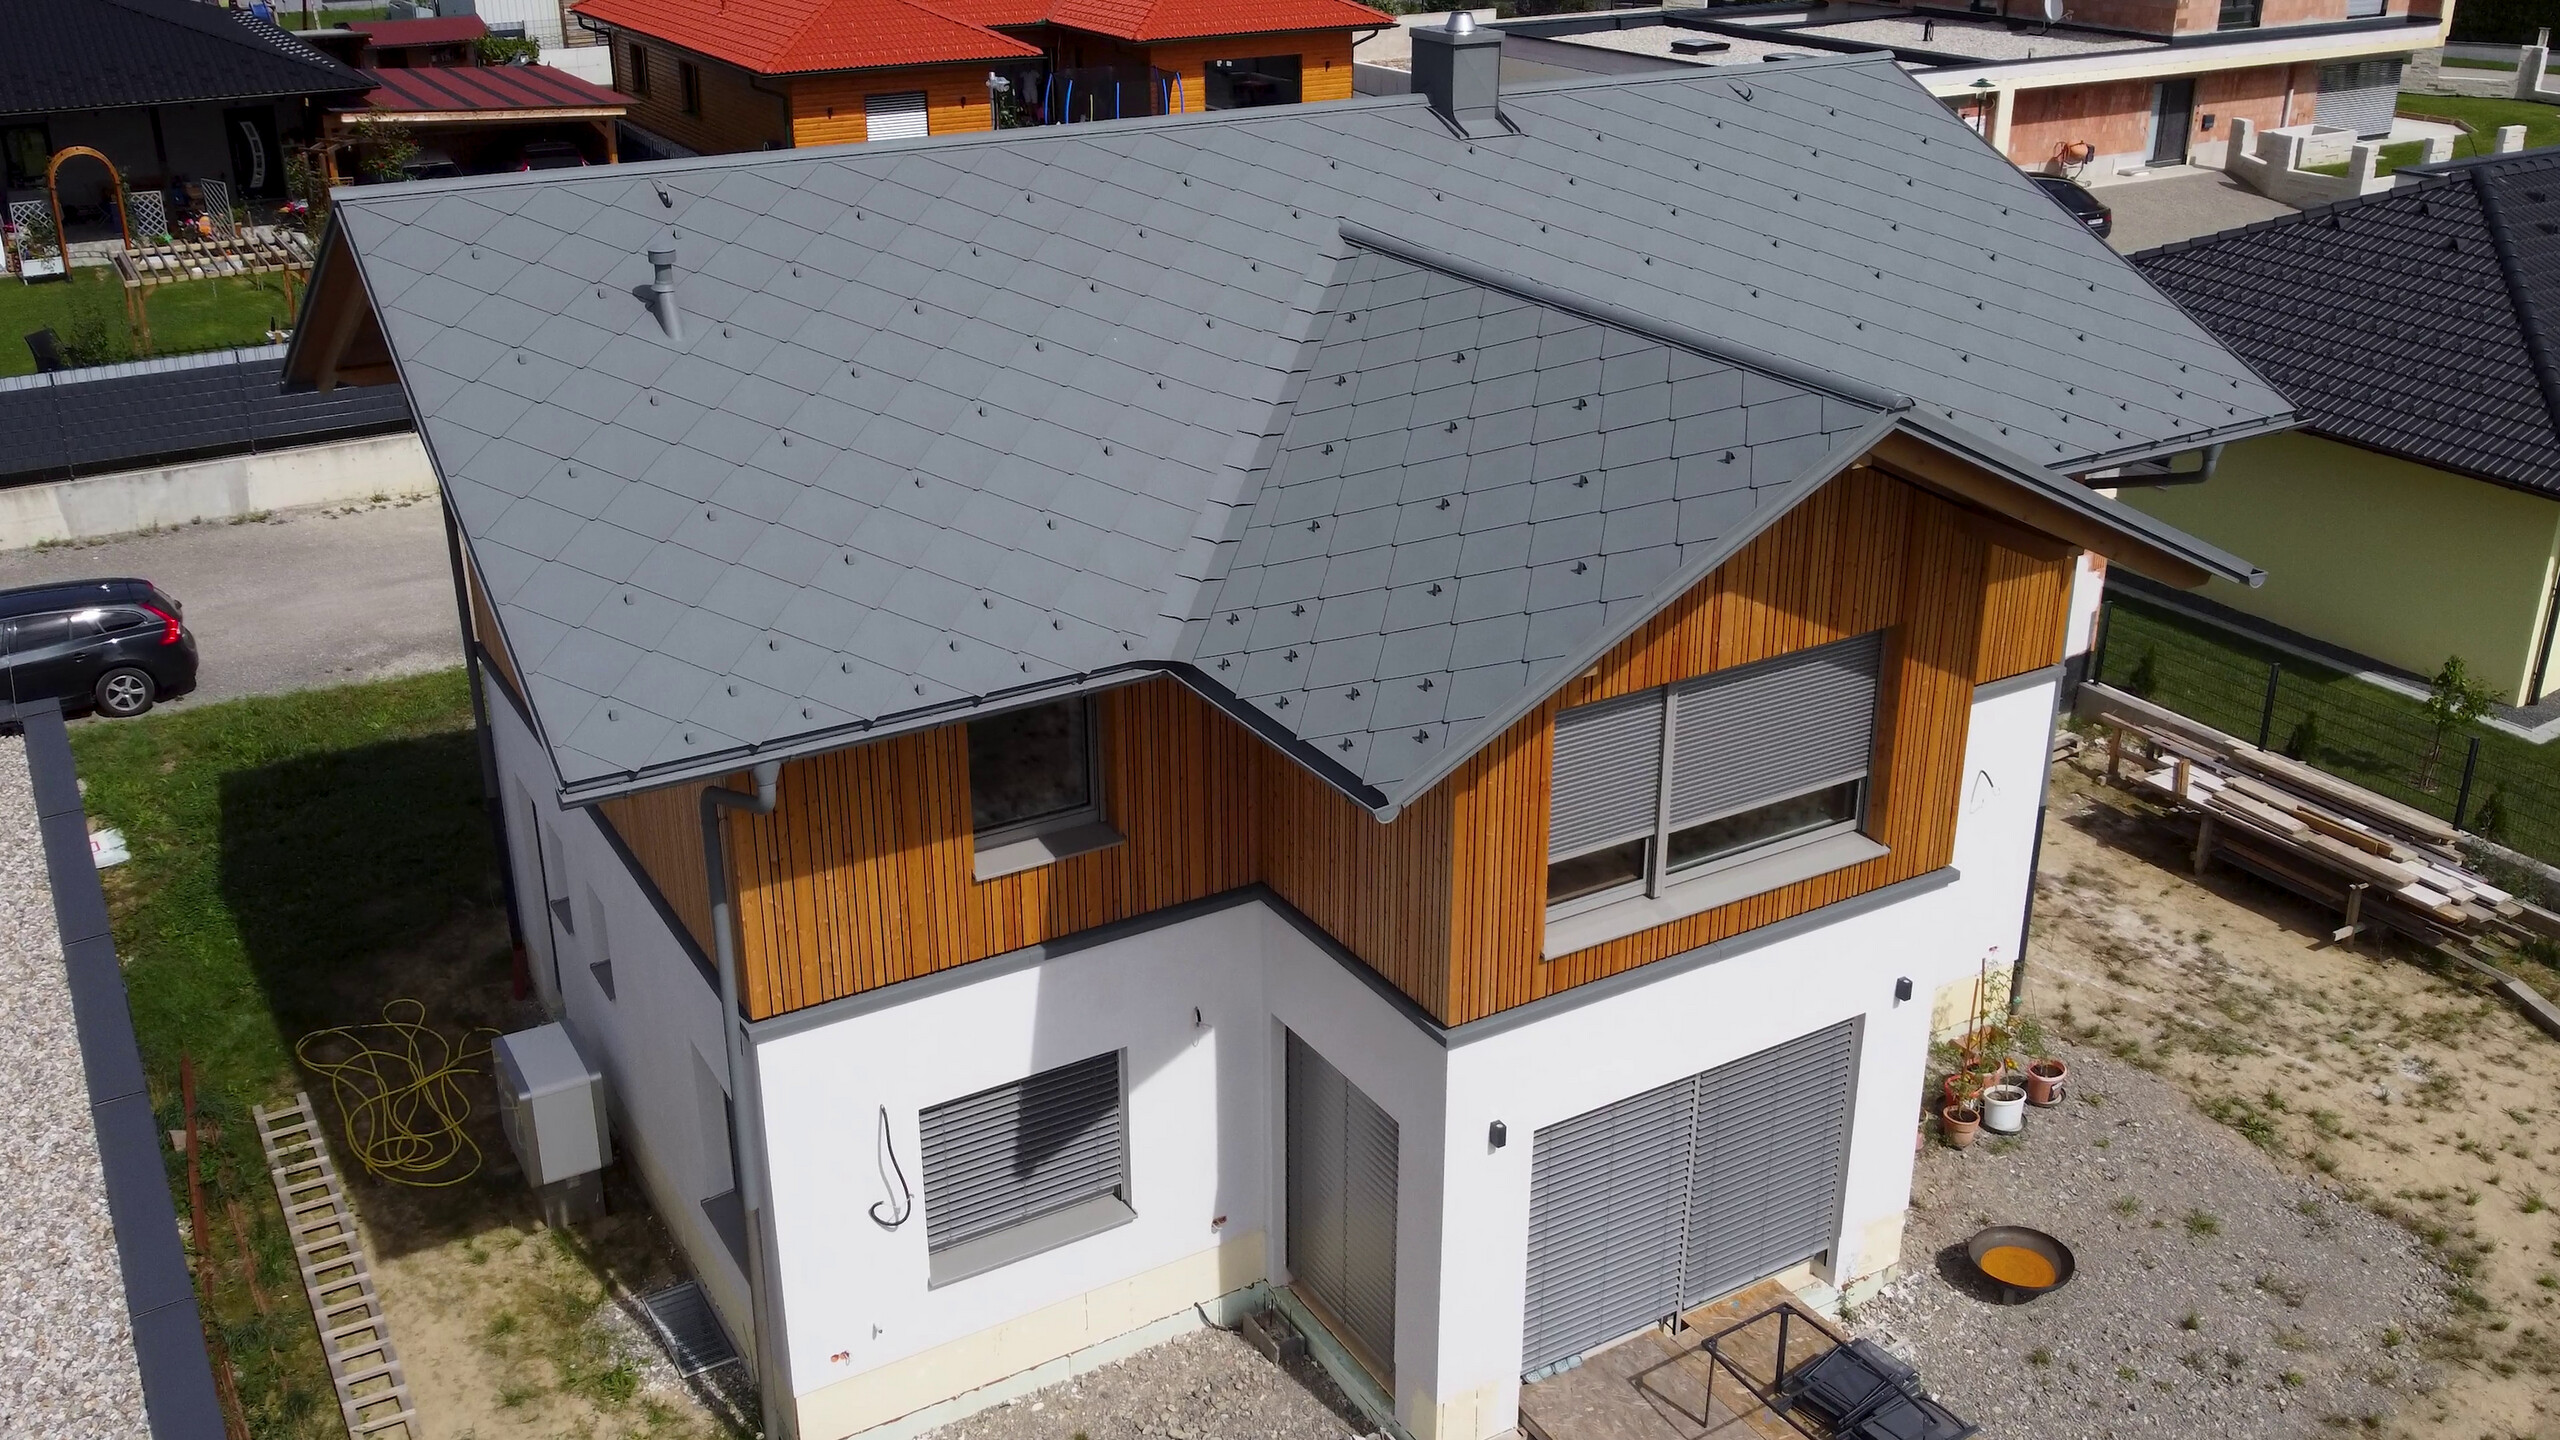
x=828 y=109
x=1324 y=62
x=863 y=876
x=484 y=631
x=736 y=112
x=663 y=829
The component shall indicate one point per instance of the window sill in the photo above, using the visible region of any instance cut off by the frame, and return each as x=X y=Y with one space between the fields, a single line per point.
x=1031 y=1237
x=1757 y=875
x=1033 y=851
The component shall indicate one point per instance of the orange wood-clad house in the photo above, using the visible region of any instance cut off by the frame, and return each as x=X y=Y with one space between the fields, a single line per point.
x=1102 y=726
x=779 y=74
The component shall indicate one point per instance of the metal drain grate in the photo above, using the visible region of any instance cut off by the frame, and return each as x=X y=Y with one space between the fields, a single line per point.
x=689 y=1328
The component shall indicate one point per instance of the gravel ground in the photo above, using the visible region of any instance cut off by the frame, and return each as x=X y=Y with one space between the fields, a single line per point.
x=66 y=1345
x=1208 y=1385
x=2215 y=1295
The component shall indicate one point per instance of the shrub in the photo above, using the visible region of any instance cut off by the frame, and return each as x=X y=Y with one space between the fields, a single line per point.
x=2146 y=673
x=2304 y=743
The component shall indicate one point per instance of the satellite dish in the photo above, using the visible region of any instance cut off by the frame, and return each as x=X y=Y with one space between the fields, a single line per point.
x=2052 y=11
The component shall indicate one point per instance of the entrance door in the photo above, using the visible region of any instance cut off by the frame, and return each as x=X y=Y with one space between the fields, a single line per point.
x=257 y=165
x=1342 y=1205
x=2173 y=104
x=1645 y=1207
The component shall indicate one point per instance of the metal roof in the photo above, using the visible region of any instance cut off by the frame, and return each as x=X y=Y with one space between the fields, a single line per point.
x=2423 y=322
x=186 y=407
x=504 y=88
x=104 y=54
x=973 y=420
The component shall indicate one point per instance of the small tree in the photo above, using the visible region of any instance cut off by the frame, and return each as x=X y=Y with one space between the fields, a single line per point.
x=93 y=333
x=2491 y=822
x=2454 y=699
x=2304 y=743
x=385 y=148
x=2146 y=673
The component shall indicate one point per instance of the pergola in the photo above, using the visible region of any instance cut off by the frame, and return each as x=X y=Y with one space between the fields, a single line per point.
x=472 y=101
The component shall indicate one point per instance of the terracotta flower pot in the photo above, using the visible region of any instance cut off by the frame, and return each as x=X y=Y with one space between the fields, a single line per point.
x=1959 y=1125
x=2045 y=1080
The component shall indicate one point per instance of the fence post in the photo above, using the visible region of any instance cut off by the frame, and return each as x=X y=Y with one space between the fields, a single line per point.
x=2267 y=714
x=2098 y=651
x=2462 y=802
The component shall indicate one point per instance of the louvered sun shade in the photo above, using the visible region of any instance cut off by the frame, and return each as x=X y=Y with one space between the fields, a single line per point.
x=1763 y=732
x=1017 y=1152
x=1608 y=776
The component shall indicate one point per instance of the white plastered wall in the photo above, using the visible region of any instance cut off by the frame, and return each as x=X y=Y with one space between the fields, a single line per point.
x=1586 y=1056
x=644 y=1038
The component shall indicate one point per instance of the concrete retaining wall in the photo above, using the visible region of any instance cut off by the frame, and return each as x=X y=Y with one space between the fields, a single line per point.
x=94 y=506
x=2271 y=163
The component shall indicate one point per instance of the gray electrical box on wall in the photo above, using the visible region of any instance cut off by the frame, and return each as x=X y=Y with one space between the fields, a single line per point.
x=551 y=1104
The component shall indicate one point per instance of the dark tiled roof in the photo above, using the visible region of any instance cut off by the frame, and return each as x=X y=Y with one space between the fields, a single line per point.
x=102 y=54
x=2423 y=322
x=983 y=418
x=158 y=412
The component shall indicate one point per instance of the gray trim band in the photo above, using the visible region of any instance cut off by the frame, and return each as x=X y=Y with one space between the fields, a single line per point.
x=160 y=1296
x=2025 y=680
x=1445 y=1036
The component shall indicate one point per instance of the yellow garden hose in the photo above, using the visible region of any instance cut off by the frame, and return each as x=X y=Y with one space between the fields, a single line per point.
x=398 y=1084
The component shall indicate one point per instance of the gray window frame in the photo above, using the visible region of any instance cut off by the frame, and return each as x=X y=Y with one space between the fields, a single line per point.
x=1659 y=873
x=1074 y=818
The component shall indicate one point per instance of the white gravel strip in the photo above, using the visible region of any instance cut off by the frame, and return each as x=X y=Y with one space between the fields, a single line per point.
x=66 y=1344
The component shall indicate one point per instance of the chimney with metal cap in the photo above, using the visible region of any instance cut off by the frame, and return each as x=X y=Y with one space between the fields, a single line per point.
x=662 y=291
x=1458 y=66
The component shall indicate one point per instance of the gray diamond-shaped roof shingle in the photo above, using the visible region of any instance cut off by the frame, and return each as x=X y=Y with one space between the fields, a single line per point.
x=1371 y=433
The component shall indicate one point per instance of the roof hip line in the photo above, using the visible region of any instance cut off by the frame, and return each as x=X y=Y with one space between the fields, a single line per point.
x=1652 y=327
x=2537 y=345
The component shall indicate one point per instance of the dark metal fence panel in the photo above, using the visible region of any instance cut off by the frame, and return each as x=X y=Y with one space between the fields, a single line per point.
x=2507 y=790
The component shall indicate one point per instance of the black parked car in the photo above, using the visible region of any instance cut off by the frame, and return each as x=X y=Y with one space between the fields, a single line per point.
x=114 y=646
x=2086 y=208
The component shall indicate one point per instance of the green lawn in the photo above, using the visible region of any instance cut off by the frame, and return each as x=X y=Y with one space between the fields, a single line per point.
x=2455 y=62
x=2407 y=152
x=2486 y=117
x=186 y=315
x=2344 y=725
x=297 y=861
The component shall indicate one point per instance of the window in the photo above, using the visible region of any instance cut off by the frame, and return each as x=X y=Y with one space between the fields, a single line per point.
x=2239 y=15
x=2364 y=9
x=636 y=73
x=1670 y=786
x=689 y=80
x=1025 y=1167
x=602 y=967
x=901 y=115
x=1243 y=84
x=1034 y=788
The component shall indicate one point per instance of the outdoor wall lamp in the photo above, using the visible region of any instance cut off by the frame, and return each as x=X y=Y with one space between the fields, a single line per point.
x=1497 y=1135
x=1902 y=988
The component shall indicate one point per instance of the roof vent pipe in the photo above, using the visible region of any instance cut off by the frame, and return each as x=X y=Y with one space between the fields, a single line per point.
x=662 y=290
x=1458 y=67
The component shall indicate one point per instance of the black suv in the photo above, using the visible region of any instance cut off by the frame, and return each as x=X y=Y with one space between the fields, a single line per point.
x=112 y=645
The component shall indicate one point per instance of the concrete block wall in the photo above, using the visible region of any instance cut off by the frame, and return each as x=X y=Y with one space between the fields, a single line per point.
x=2271 y=164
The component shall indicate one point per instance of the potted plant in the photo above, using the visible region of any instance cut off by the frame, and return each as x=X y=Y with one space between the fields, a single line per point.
x=2045 y=1078
x=2004 y=1108
x=1959 y=1125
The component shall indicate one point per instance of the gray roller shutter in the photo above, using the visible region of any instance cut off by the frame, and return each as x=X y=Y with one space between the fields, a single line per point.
x=2359 y=96
x=1017 y=1152
x=1608 y=1196
x=1760 y=733
x=1662 y=1200
x=1608 y=777
x=1773 y=1148
x=1342 y=1201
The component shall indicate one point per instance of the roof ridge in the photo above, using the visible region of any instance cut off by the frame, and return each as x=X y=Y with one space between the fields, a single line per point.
x=2538 y=346
x=1600 y=312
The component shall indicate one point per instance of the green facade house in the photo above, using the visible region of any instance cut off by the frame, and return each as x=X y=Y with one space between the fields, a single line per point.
x=2416 y=514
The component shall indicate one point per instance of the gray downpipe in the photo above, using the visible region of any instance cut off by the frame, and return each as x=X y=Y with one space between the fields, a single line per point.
x=746 y=1130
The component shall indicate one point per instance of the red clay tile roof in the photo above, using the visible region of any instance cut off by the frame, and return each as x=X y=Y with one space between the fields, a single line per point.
x=486 y=87
x=441 y=30
x=785 y=37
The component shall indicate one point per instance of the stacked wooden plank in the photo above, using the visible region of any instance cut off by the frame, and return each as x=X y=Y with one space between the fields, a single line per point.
x=2374 y=859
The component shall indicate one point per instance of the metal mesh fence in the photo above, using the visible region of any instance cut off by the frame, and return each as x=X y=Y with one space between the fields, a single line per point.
x=2489 y=782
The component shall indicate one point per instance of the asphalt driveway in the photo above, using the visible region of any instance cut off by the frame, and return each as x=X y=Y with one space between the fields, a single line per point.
x=301 y=599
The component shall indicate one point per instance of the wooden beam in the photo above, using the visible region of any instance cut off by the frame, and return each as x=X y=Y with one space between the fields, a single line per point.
x=1925 y=465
